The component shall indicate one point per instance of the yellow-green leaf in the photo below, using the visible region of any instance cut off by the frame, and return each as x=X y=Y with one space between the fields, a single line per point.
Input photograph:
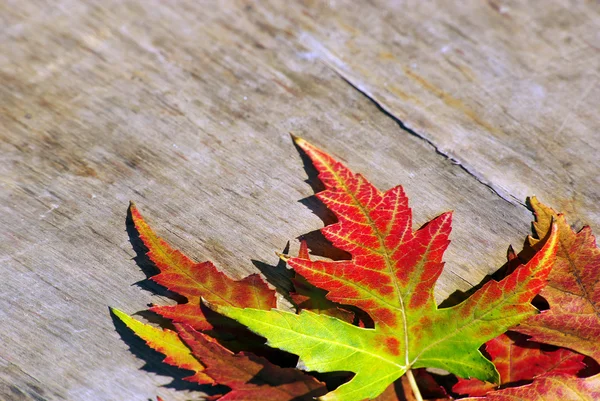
x=166 y=342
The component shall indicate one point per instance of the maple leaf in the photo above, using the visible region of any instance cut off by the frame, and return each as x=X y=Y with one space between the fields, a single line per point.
x=391 y=276
x=553 y=387
x=166 y=342
x=194 y=281
x=251 y=378
x=518 y=360
x=573 y=290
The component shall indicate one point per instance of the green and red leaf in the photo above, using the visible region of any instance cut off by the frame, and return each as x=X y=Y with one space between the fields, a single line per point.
x=391 y=276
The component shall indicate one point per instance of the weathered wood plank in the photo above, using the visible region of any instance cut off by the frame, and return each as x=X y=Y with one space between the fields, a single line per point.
x=185 y=108
x=508 y=89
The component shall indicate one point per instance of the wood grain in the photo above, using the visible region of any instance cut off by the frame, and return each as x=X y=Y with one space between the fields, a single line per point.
x=186 y=107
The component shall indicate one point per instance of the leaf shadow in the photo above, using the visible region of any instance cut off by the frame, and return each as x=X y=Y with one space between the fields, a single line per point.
x=312 y=202
x=145 y=264
x=400 y=392
x=334 y=379
x=238 y=338
x=282 y=279
x=278 y=275
x=309 y=168
x=321 y=246
x=267 y=376
x=591 y=367
x=154 y=362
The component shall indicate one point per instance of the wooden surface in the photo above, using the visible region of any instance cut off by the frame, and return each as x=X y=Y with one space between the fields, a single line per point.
x=185 y=108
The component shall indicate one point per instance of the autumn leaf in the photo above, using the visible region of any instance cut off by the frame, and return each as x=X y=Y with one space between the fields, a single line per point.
x=166 y=342
x=194 y=281
x=519 y=360
x=250 y=378
x=573 y=290
x=391 y=276
x=554 y=387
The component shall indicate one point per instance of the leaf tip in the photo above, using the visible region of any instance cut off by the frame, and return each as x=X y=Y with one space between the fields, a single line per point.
x=122 y=316
x=207 y=302
x=295 y=137
x=118 y=313
x=532 y=201
x=222 y=309
x=553 y=239
x=301 y=142
x=303 y=251
x=132 y=207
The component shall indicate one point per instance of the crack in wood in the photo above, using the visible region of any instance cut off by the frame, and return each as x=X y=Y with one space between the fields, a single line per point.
x=507 y=197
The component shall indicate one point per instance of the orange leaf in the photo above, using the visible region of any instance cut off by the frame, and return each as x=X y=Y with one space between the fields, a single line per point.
x=573 y=290
x=194 y=281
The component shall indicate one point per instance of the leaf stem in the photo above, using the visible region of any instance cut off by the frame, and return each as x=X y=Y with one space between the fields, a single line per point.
x=413 y=385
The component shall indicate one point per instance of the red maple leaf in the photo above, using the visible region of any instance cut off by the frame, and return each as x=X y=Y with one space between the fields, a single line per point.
x=519 y=360
x=560 y=387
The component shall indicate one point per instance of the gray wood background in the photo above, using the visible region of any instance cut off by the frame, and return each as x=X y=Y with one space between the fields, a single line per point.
x=185 y=108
